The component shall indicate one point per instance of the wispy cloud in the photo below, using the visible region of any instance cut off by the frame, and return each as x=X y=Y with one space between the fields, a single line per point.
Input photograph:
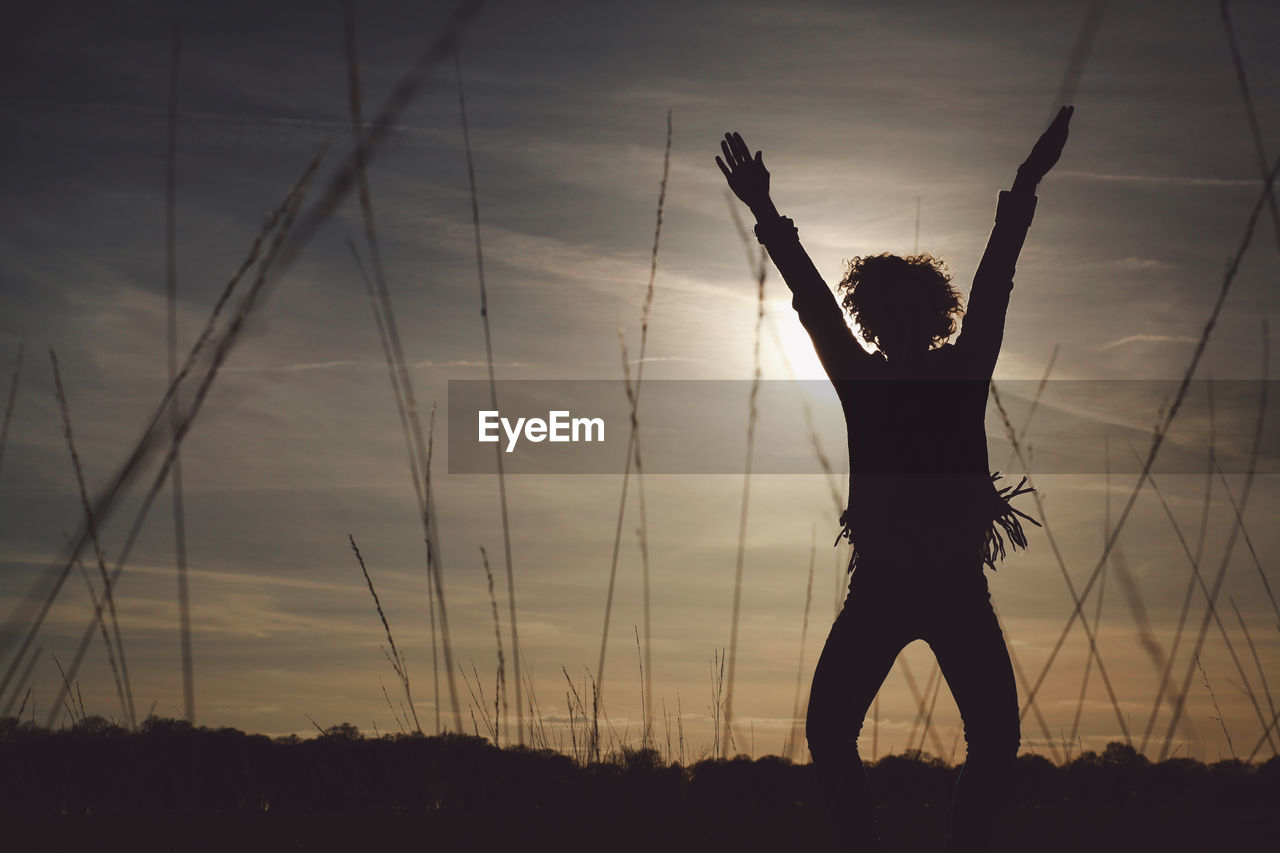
x=1136 y=263
x=301 y=367
x=1146 y=339
x=1166 y=180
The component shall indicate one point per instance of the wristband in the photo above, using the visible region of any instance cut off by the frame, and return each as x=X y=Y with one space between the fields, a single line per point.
x=775 y=228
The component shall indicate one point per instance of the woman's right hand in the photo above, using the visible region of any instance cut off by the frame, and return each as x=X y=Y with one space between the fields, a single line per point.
x=747 y=176
x=1048 y=148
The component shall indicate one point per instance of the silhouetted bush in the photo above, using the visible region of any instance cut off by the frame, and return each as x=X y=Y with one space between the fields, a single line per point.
x=464 y=788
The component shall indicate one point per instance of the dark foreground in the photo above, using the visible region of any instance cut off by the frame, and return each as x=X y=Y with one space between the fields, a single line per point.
x=172 y=787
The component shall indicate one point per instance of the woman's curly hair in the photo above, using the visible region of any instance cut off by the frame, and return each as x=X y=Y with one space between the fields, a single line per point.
x=876 y=286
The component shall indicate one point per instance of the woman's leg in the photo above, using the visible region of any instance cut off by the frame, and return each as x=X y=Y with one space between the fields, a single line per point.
x=971 y=652
x=859 y=652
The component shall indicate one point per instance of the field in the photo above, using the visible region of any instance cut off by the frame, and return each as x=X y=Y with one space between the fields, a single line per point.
x=1142 y=620
x=170 y=786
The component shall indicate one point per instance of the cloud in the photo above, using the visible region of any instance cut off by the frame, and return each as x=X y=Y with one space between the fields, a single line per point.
x=300 y=367
x=1144 y=339
x=1164 y=180
x=1135 y=263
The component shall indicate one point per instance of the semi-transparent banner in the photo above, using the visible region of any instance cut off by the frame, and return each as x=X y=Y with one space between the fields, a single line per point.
x=701 y=426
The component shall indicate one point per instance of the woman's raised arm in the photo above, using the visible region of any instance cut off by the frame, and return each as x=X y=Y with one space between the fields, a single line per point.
x=820 y=314
x=983 y=330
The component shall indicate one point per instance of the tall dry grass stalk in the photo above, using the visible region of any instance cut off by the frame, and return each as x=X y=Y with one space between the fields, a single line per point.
x=1257 y=662
x=1164 y=690
x=633 y=452
x=1242 y=79
x=793 y=737
x=421 y=488
x=102 y=630
x=395 y=715
x=538 y=738
x=433 y=565
x=123 y=688
x=500 y=687
x=393 y=351
x=1021 y=675
x=680 y=727
x=721 y=736
x=1031 y=412
x=589 y=749
x=1204 y=679
x=395 y=658
x=922 y=709
x=1266 y=734
x=171 y=300
x=920 y=698
x=875 y=728
x=478 y=700
x=645 y=316
x=23 y=680
x=151 y=441
x=69 y=704
x=1212 y=592
x=753 y=412
x=30 y=613
x=493 y=399
x=642 y=534
x=645 y=733
x=1102 y=590
x=1248 y=540
x=928 y=719
x=1166 y=422
x=14 y=376
x=1137 y=609
x=1078 y=599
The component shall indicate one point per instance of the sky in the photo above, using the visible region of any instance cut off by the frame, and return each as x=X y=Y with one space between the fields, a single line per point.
x=886 y=126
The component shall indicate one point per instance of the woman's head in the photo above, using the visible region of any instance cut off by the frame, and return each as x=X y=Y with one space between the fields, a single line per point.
x=903 y=305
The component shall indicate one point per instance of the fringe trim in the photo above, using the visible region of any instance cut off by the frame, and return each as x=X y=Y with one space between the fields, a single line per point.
x=1005 y=518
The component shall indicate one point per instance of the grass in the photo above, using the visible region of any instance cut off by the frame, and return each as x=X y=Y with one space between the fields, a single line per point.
x=493 y=397
x=1211 y=611
x=1253 y=651
x=171 y=299
x=342 y=789
x=1076 y=598
x=586 y=745
x=761 y=270
x=1163 y=427
x=1102 y=588
x=32 y=611
x=500 y=686
x=793 y=738
x=416 y=446
x=121 y=672
x=1197 y=579
x=633 y=453
x=394 y=656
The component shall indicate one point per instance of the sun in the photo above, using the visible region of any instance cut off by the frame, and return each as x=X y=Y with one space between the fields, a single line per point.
x=791 y=349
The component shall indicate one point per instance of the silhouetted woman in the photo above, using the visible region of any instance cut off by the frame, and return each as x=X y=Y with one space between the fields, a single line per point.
x=924 y=515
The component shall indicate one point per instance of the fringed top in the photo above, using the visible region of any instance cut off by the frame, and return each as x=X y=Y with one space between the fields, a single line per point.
x=1004 y=522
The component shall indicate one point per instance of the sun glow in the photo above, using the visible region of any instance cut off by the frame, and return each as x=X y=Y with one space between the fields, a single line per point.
x=792 y=348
